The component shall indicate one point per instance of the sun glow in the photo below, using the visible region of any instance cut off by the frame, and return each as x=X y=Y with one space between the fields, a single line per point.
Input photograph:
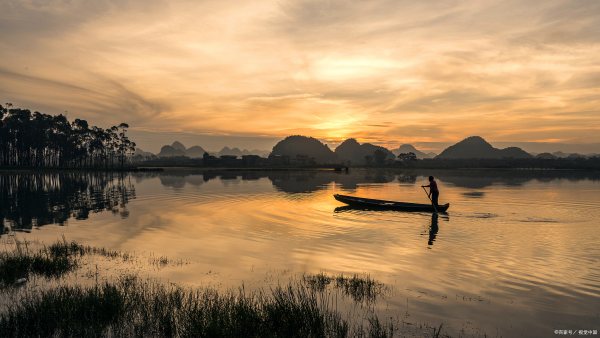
x=327 y=69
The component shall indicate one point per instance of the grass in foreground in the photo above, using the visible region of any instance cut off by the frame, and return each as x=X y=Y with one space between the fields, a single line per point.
x=52 y=262
x=20 y=264
x=130 y=306
x=133 y=307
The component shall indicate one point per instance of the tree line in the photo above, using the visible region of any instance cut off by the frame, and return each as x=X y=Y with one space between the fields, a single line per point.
x=38 y=140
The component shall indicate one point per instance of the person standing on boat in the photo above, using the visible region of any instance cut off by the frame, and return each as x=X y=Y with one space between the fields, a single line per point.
x=434 y=193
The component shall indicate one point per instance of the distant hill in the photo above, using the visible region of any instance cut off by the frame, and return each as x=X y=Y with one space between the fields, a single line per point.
x=174 y=150
x=475 y=147
x=243 y=152
x=561 y=154
x=409 y=148
x=141 y=155
x=231 y=152
x=177 y=149
x=356 y=153
x=575 y=155
x=546 y=156
x=195 y=152
x=178 y=146
x=294 y=146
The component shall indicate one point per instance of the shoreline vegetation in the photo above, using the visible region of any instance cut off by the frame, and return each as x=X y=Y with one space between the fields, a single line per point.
x=558 y=164
x=133 y=306
x=553 y=165
x=36 y=199
x=37 y=141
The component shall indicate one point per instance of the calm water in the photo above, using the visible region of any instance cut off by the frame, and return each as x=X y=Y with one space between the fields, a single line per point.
x=517 y=254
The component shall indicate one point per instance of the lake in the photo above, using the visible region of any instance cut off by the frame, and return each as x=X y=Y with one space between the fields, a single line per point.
x=517 y=254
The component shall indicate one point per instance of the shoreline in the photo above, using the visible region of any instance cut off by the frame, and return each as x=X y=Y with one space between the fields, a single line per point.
x=316 y=168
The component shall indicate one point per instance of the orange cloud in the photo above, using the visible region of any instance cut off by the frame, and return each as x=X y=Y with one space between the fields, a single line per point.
x=384 y=71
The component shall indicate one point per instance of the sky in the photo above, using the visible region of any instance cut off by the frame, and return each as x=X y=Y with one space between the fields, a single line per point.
x=247 y=73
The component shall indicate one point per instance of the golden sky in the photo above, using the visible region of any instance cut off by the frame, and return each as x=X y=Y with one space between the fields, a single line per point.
x=382 y=71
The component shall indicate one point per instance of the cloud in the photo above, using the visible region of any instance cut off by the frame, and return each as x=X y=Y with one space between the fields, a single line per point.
x=385 y=71
x=103 y=97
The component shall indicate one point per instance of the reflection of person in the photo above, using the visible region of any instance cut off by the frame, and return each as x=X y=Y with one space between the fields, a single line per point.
x=434 y=193
x=433 y=230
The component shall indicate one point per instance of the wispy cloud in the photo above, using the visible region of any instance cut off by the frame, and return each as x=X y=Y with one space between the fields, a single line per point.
x=429 y=71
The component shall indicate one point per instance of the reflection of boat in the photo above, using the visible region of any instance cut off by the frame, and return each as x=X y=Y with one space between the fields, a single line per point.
x=367 y=203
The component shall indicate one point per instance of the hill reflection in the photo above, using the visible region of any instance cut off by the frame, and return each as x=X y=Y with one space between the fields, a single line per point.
x=313 y=180
x=32 y=200
x=36 y=199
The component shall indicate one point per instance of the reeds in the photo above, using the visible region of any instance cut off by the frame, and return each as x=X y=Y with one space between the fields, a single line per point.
x=18 y=264
x=134 y=307
x=362 y=288
x=52 y=262
x=131 y=306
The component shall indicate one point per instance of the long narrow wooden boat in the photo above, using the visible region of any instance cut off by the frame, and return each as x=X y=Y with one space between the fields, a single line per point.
x=368 y=203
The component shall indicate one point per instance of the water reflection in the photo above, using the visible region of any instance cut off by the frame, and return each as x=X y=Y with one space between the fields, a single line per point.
x=479 y=179
x=33 y=200
x=433 y=229
x=30 y=200
x=236 y=226
x=313 y=180
x=474 y=194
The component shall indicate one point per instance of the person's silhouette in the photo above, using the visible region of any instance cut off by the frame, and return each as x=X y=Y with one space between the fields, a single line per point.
x=434 y=192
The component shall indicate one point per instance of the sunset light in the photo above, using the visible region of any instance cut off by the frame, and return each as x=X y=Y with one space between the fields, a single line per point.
x=266 y=69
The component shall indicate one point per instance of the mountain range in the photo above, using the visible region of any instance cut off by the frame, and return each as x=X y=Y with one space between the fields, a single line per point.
x=177 y=149
x=240 y=152
x=354 y=153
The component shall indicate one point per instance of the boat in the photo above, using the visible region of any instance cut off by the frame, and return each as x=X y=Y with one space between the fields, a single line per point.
x=368 y=203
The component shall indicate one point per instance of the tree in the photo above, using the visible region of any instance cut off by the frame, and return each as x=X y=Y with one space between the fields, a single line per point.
x=125 y=148
x=407 y=157
x=41 y=140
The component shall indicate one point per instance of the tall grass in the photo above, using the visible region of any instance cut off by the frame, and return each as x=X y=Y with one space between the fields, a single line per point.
x=359 y=288
x=52 y=262
x=130 y=306
x=135 y=307
x=20 y=263
x=74 y=249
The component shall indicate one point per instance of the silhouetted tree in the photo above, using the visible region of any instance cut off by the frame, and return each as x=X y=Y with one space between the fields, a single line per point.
x=406 y=157
x=41 y=140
